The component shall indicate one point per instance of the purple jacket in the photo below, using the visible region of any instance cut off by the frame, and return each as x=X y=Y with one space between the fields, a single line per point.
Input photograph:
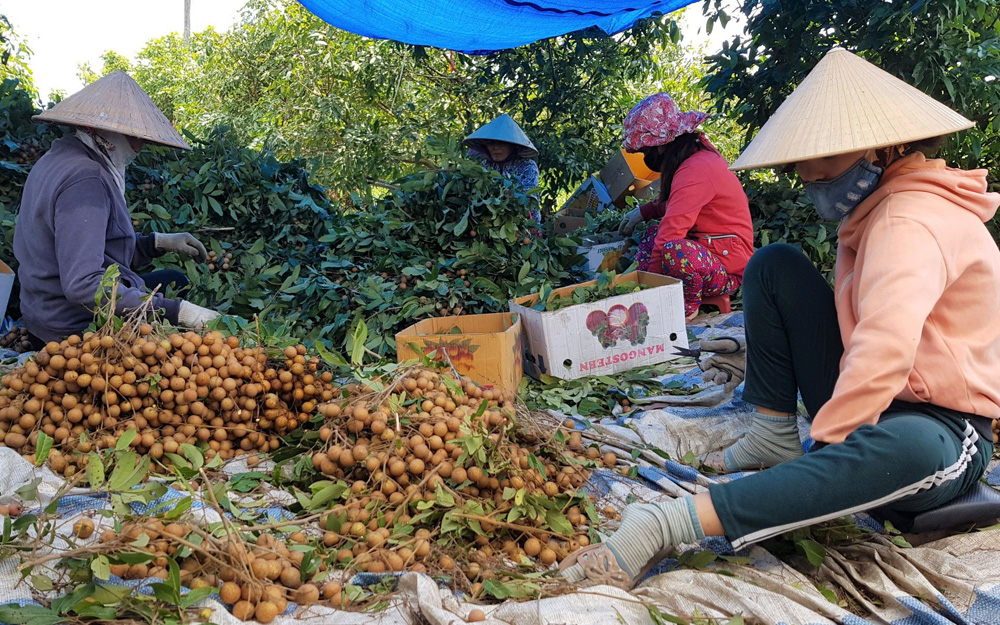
x=74 y=224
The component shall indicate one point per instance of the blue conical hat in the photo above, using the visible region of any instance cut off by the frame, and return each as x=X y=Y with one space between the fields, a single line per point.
x=504 y=128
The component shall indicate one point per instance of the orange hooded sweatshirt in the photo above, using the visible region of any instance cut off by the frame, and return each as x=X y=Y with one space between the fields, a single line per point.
x=918 y=295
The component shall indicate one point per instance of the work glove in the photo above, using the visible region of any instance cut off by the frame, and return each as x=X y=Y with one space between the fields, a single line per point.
x=181 y=242
x=632 y=219
x=724 y=361
x=194 y=316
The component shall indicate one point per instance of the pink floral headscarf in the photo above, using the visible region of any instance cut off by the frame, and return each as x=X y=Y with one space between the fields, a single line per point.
x=657 y=121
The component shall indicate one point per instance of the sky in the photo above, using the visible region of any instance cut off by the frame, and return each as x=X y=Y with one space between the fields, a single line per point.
x=62 y=34
x=66 y=33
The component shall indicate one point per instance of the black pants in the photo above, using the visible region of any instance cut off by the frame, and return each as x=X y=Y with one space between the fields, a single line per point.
x=155 y=279
x=917 y=457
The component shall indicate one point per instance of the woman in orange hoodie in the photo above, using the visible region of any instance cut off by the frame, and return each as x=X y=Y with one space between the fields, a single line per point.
x=897 y=366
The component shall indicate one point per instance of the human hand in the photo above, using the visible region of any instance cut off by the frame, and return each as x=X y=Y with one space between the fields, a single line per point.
x=723 y=361
x=194 y=316
x=181 y=242
x=632 y=219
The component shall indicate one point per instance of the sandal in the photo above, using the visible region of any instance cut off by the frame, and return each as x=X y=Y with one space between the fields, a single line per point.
x=600 y=566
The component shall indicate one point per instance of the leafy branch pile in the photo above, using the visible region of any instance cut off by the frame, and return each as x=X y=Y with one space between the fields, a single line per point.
x=597 y=396
x=453 y=239
x=602 y=289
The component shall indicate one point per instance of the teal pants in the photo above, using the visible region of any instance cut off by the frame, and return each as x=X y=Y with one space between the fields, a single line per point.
x=917 y=457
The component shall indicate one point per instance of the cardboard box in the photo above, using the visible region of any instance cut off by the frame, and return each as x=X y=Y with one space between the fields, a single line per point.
x=602 y=256
x=613 y=335
x=625 y=174
x=648 y=192
x=6 y=284
x=566 y=225
x=589 y=197
x=487 y=348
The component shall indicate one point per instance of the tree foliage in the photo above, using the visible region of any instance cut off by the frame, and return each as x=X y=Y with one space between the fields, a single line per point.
x=949 y=49
x=14 y=56
x=359 y=107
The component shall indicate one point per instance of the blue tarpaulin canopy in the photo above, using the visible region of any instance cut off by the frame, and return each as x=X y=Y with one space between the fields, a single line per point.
x=483 y=25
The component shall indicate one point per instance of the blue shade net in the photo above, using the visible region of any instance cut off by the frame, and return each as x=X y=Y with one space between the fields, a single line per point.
x=481 y=26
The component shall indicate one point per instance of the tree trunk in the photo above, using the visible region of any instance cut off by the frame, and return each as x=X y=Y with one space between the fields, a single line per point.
x=187 y=20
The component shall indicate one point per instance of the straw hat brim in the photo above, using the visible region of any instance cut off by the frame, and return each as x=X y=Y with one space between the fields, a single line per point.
x=118 y=104
x=844 y=105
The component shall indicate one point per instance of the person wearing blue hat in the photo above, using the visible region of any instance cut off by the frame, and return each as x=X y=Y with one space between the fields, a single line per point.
x=502 y=146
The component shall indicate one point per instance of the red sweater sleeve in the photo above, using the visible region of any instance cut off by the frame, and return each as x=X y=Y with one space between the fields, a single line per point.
x=690 y=191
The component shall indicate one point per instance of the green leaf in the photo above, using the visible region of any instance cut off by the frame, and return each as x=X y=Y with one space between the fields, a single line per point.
x=194 y=455
x=95 y=471
x=101 y=567
x=358 y=338
x=696 y=559
x=828 y=594
x=523 y=273
x=125 y=440
x=813 y=551
x=128 y=472
x=463 y=223
x=558 y=523
x=196 y=595
x=42 y=583
x=42 y=448
x=29 y=615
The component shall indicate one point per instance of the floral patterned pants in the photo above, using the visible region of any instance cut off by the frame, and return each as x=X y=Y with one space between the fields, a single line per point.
x=692 y=263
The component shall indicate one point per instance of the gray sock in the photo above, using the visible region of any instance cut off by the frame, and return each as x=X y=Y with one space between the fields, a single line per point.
x=770 y=441
x=647 y=529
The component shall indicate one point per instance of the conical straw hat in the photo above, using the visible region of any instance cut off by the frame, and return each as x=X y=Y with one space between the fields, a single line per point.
x=116 y=103
x=844 y=105
x=504 y=128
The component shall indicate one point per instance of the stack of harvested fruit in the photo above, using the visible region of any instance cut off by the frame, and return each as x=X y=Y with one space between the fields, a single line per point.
x=16 y=340
x=84 y=392
x=430 y=474
x=451 y=457
x=416 y=470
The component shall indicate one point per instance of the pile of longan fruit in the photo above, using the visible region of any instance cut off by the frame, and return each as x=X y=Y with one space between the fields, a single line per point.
x=257 y=581
x=397 y=453
x=172 y=389
x=16 y=340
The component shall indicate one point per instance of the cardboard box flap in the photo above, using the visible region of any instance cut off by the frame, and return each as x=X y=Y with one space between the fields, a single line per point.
x=625 y=174
x=591 y=196
x=471 y=324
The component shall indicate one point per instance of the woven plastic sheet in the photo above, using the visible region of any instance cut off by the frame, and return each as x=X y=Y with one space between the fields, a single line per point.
x=483 y=25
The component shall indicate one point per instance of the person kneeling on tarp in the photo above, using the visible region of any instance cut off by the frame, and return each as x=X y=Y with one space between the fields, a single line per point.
x=74 y=222
x=897 y=366
x=705 y=233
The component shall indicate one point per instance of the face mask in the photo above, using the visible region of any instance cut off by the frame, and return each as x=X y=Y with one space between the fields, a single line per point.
x=836 y=199
x=653 y=160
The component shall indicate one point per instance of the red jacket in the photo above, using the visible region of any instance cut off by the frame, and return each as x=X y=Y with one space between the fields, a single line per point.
x=706 y=201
